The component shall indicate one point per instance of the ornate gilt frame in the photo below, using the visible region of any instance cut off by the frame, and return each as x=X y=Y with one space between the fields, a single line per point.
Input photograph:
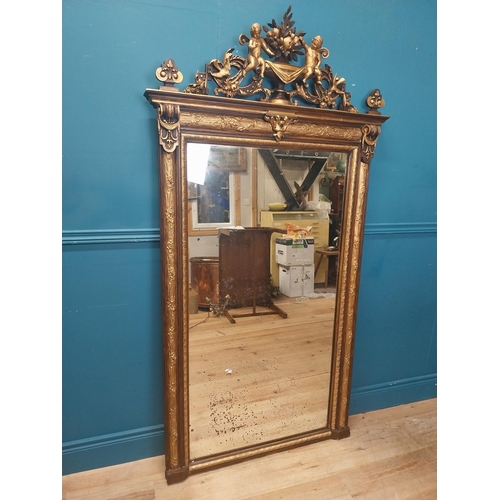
x=193 y=115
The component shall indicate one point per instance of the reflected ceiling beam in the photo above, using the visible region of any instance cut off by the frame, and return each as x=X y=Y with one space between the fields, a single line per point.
x=313 y=173
x=294 y=201
x=279 y=177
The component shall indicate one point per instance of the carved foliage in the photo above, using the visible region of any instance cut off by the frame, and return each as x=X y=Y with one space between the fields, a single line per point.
x=240 y=124
x=279 y=124
x=283 y=38
x=369 y=140
x=348 y=341
x=168 y=126
x=170 y=309
x=282 y=44
x=200 y=85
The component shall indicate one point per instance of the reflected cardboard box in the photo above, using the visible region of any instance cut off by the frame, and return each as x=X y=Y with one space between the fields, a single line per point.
x=294 y=252
x=296 y=281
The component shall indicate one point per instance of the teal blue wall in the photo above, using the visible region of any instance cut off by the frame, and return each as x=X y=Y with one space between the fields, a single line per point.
x=112 y=374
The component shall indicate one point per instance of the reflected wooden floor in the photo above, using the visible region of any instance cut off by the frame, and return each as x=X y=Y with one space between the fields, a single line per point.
x=390 y=455
x=261 y=378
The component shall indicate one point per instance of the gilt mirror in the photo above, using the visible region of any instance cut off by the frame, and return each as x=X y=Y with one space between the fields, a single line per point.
x=263 y=189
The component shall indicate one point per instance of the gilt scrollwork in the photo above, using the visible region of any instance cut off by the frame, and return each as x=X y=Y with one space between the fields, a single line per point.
x=269 y=60
x=200 y=86
x=369 y=141
x=289 y=83
x=222 y=122
x=168 y=126
x=230 y=85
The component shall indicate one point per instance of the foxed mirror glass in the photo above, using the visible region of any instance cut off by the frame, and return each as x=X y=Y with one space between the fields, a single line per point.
x=263 y=190
x=260 y=378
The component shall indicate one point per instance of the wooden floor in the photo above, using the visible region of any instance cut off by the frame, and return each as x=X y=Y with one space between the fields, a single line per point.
x=391 y=454
x=261 y=378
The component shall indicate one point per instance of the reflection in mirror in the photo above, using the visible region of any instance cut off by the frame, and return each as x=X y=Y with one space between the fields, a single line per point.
x=262 y=293
x=212 y=184
x=214 y=202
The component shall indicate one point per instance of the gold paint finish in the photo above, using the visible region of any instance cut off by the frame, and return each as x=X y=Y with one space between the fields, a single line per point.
x=333 y=125
x=279 y=124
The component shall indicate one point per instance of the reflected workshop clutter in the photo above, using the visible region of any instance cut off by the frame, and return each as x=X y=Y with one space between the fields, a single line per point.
x=265 y=307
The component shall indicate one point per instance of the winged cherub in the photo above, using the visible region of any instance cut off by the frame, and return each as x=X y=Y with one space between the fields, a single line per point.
x=256 y=44
x=313 y=58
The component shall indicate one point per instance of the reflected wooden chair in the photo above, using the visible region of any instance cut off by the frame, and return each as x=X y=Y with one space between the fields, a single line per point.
x=328 y=253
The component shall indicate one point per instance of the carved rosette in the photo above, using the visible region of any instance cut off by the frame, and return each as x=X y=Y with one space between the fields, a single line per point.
x=168 y=126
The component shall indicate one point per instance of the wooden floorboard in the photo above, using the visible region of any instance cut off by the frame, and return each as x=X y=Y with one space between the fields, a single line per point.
x=391 y=454
x=278 y=380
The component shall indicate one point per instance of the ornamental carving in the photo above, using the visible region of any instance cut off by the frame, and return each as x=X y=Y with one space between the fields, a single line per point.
x=279 y=124
x=168 y=73
x=369 y=141
x=375 y=101
x=168 y=126
x=220 y=122
x=281 y=66
x=278 y=94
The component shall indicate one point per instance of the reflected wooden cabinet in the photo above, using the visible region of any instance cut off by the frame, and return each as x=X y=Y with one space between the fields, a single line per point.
x=205 y=280
x=306 y=218
x=337 y=194
x=247 y=285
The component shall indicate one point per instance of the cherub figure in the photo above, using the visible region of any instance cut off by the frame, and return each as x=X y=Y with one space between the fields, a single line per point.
x=313 y=58
x=255 y=46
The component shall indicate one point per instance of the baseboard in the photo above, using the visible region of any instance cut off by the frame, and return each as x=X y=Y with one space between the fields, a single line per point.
x=112 y=449
x=395 y=393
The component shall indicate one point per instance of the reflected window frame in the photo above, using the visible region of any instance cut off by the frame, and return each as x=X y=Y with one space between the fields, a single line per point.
x=195 y=206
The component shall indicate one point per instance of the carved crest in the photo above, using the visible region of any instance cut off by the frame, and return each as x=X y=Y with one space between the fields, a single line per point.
x=280 y=65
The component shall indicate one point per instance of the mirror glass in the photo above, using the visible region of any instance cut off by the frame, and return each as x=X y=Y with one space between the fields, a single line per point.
x=264 y=233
